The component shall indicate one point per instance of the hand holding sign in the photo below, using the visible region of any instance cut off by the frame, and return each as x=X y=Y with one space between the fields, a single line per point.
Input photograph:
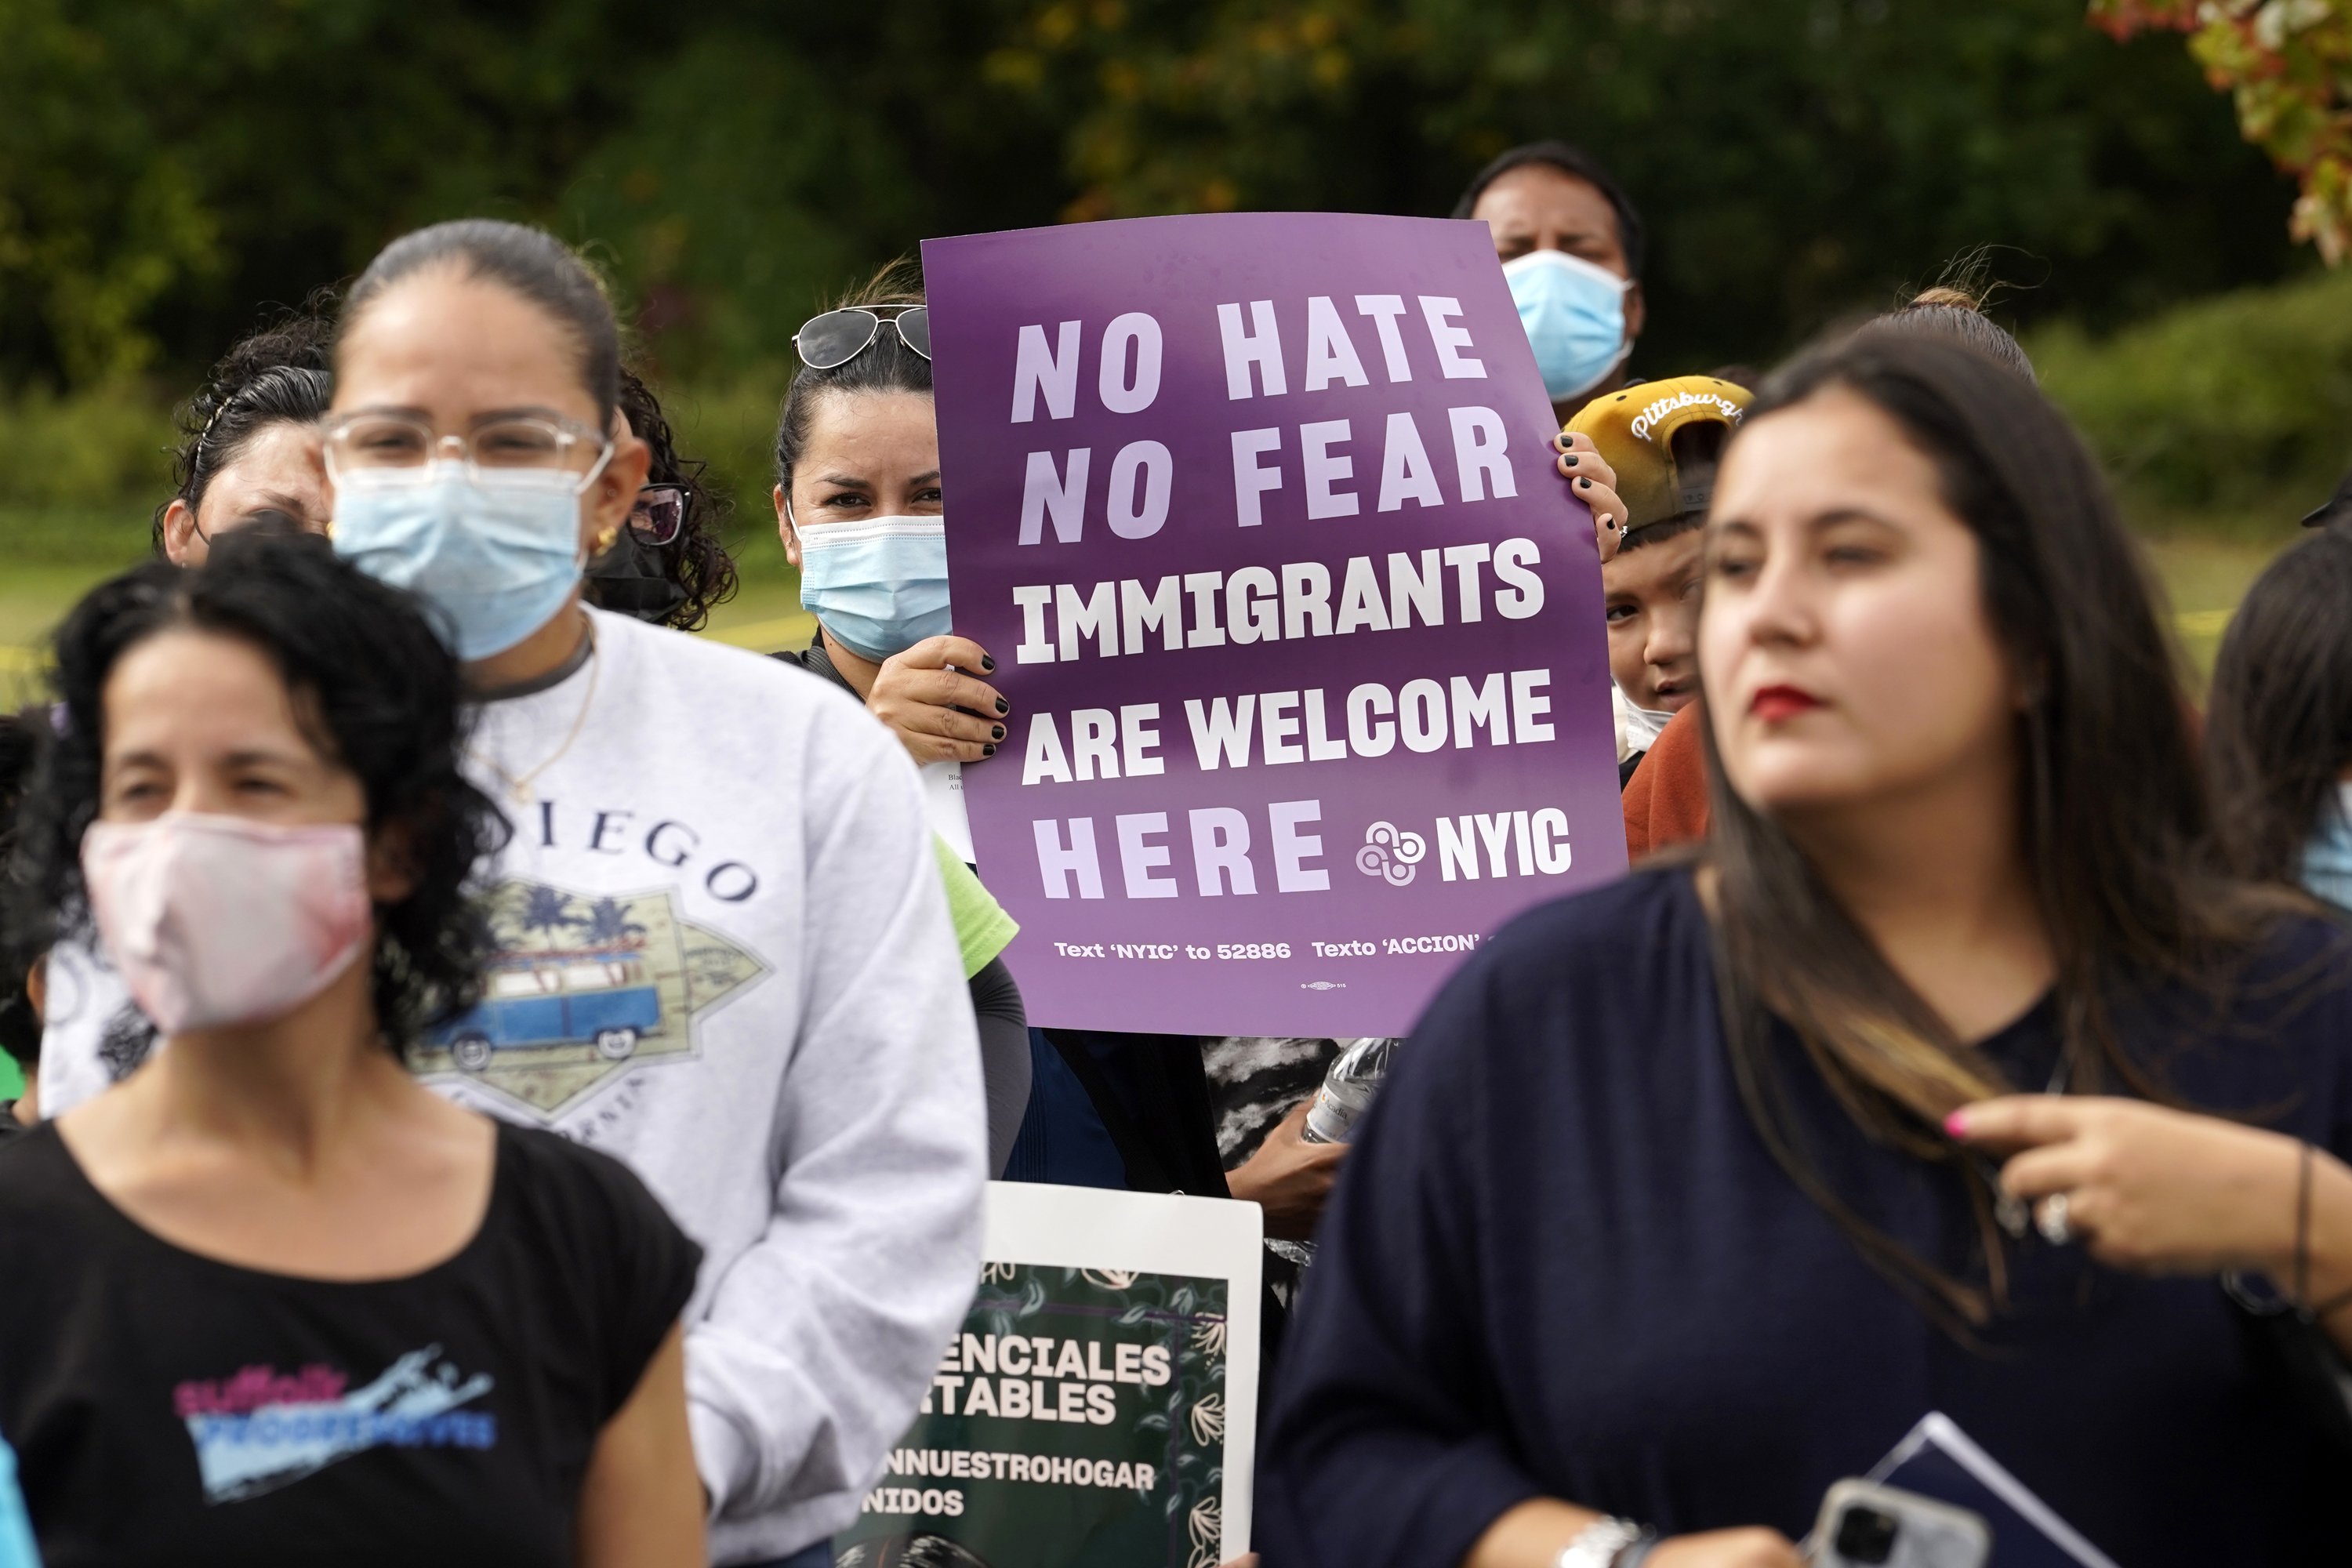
x=938 y=713
x=1592 y=481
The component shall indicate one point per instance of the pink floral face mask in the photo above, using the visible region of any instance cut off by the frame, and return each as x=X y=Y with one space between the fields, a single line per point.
x=213 y=922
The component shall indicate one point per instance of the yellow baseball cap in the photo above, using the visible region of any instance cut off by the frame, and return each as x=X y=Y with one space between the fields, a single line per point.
x=1663 y=438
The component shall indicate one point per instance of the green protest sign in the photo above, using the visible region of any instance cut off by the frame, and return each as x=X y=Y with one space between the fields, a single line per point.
x=1092 y=1412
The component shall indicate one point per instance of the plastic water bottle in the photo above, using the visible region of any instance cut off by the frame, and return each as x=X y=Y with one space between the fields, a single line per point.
x=1347 y=1088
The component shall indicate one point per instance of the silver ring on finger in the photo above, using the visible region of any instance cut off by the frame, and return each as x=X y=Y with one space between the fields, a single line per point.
x=2051 y=1220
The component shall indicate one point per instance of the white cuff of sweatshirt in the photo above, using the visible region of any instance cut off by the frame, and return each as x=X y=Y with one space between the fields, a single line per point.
x=723 y=1454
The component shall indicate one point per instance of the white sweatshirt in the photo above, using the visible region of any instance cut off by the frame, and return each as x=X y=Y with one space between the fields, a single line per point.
x=725 y=957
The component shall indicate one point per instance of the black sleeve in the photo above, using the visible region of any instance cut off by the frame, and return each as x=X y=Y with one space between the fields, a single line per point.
x=1004 y=1064
x=654 y=1280
x=642 y=1266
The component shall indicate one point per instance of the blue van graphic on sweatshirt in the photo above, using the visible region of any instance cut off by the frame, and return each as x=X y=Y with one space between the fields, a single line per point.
x=584 y=987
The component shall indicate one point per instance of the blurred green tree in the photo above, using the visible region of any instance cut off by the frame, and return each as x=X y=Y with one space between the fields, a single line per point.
x=167 y=166
x=1796 y=159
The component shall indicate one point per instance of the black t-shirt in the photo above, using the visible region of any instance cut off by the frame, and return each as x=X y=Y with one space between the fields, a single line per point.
x=168 y=1408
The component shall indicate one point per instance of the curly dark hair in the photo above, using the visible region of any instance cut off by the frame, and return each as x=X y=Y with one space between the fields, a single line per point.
x=281 y=374
x=695 y=566
x=374 y=691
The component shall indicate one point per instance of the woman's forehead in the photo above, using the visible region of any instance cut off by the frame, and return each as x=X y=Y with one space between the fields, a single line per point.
x=194 y=684
x=1835 y=442
x=452 y=344
x=873 y=429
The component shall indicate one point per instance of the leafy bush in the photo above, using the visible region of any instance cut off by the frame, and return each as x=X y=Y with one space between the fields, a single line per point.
x=2242 y=398
x=2230 y=412
x=79 y=474
x=106 y=444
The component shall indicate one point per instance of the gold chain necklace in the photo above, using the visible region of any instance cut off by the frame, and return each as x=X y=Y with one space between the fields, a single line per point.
x=519 y=784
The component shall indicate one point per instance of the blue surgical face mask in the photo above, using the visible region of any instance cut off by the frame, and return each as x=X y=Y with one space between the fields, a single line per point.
x=494 y=556
x=878 y=586
x=2328 y=857
x=1574 y=313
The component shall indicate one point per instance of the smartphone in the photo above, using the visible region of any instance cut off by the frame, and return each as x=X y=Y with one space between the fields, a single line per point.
x=1866 y=1525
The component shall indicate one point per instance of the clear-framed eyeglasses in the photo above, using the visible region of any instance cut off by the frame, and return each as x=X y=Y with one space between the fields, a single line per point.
x=659 y=514
x=393 y=444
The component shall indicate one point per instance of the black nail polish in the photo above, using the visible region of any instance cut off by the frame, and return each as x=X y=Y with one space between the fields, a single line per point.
x=1584 y=484
x=987 y=664
x=1569 y=459
x=996 y=732
x=988 y=750
x=1002 y=706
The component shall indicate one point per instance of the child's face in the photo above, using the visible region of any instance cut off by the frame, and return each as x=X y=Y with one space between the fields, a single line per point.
x=1651 y=595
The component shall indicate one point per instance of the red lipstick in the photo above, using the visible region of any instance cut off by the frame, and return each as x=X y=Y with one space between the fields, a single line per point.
x=1775 y=704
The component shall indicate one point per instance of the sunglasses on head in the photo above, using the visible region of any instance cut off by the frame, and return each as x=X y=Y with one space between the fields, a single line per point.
x=837 y=337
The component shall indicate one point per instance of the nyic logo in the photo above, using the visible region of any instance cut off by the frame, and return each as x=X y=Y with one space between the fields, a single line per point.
x=1390 y=853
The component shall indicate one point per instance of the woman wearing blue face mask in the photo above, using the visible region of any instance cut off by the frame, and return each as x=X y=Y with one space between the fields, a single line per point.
x=721 y=953
x=858 y=508
x=722 y=867
x=2278 y=738
x=1570 y=244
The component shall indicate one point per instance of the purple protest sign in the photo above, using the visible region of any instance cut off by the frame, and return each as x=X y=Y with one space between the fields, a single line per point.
x=1302 y=634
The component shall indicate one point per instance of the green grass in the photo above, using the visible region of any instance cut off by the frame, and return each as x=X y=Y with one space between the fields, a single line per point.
x=56 y=557
x=2205 y=577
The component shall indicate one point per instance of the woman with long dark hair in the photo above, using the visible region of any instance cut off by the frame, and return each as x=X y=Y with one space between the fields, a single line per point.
x=1685 y=1202
x=2278 y=727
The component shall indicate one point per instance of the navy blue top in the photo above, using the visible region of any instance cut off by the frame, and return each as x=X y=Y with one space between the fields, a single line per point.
x=1063 y=1140
x=1561 y=1263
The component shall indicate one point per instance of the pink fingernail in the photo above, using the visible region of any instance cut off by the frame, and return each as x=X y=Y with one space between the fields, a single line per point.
x=1956 y=1125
